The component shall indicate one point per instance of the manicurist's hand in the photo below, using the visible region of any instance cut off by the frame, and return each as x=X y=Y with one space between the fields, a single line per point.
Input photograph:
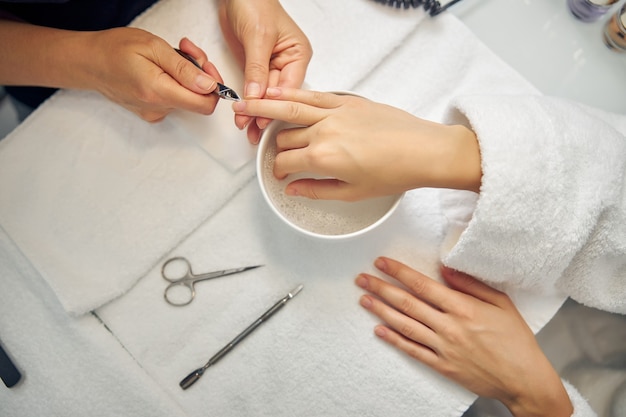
x=367 y=149
x=143 y=73
x=130 y=66
x=469 y=332
x=269 y=46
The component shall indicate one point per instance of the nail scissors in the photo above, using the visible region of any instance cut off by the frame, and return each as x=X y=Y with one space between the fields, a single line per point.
x=181 y=290
x=224 y=92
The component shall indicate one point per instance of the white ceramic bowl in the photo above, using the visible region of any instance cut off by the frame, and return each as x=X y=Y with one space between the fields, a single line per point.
x=328 y=219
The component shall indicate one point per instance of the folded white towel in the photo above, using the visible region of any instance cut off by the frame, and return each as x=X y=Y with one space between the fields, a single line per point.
x=96 y=206
x=94 y=196
x=318 y=356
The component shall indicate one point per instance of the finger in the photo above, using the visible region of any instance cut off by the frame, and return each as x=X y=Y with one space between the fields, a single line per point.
x=328 y=189
x=288 y=111
x=242 y=121
x=257 y=51
x=408 y=327
x=402 y=301
x=185 y=72
x=419 y=284
x=413 y=349
x=293 y=74
x=310 y=97
x=200 y=57
x=291 y=138
x=273 y=79
x=254 y=133
x=262 y=122
x=172 y=95
x=471 y=286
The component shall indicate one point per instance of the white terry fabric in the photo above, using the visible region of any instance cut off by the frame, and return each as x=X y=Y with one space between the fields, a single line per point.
x=563 y=221
x=94 y=196
x=581 y=406
x=315 y=357
x=318 y=356
x=70 y=366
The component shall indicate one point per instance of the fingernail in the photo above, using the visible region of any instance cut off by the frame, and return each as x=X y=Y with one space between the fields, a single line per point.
x=366 y=301
x=205 y=82
x=253 y=90
x=380 y=331
x=362 y=282
x=239 y=106
x=380 y=264
x=273 y=92
x=292 y=191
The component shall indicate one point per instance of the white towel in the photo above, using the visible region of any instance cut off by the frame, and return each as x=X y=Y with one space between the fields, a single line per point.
x=124 y=215
x=70 y=366
x=94 y=196
x=318 y=355
x=71 y=189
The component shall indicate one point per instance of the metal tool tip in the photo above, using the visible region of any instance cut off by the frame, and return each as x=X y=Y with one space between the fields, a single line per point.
x=191 y=379
x=295 y=291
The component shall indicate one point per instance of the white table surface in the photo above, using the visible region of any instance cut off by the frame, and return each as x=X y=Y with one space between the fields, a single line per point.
x=558 y=53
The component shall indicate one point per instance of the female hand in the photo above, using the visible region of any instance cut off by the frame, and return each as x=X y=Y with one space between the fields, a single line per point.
x=269 y=46
x=470 y=333
x=144 y=74
x=130 y=66
x=368 y=149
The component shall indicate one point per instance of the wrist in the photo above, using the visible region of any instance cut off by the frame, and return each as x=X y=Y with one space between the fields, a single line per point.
x=550 y=398
x=460 y=166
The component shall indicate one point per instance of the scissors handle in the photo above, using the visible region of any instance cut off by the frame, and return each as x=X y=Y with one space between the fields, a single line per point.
x=181 y=289
x=176 y=270
x=180 y=297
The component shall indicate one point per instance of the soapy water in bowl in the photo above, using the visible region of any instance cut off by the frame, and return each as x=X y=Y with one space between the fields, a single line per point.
x=323 y=217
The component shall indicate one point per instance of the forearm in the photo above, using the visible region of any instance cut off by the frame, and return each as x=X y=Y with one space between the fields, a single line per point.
x=41 y=56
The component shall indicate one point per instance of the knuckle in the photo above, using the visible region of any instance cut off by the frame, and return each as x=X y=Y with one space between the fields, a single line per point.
x=406 y=306
x=255 y=67
x=182 y=68
x=317 y=99
x=407 y=331
x=293 y=111
x=419 y=286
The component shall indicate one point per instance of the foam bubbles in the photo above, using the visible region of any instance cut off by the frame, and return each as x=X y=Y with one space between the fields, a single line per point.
x=323 y=217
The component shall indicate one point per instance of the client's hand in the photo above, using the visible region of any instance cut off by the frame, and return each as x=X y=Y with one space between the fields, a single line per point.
x=468 y=332
x=368 y=149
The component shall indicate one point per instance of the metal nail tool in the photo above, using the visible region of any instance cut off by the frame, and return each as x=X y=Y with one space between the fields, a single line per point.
x=8 y=371
x=224 y=92
x=178 y=272
x=191 y=379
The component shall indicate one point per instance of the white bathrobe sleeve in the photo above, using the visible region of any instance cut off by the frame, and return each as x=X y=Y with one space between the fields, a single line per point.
x=581 y=406
x=551 y=213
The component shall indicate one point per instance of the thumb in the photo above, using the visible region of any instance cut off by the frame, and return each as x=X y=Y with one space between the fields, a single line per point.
x=256 y=68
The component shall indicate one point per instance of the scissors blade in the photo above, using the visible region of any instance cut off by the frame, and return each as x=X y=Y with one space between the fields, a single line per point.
x=224 y=92
x=227 y=272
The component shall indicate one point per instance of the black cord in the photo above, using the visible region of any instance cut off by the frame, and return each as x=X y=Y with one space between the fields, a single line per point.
x=433 y=7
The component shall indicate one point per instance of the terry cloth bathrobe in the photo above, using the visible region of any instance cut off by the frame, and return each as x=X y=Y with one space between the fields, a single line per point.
x=552 y=205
